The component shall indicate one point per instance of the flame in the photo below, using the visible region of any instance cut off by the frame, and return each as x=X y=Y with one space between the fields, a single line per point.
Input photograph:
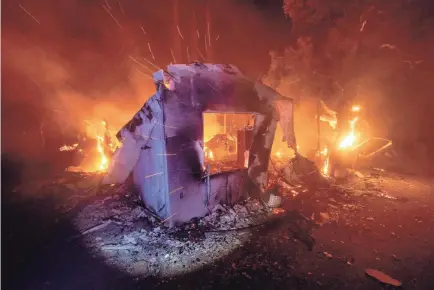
x=349 y=139
x=324 y=152
x=103 y=160
x=96 y=159
x=332 y=121
x=208 y=153
x=279 y=155
x=325 y=167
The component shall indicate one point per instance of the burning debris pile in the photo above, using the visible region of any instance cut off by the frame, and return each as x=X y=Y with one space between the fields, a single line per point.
x=350 y=144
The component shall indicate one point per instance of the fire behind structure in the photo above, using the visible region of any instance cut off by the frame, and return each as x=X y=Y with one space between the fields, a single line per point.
x=227 y=140
x=164 y=145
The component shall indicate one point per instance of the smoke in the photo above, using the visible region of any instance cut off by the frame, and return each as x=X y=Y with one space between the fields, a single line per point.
x=69 y=63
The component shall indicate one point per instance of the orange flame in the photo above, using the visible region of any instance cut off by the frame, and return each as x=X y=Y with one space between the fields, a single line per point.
x=208 y=153
x=325 y=167
x=103 y=160
x=96 y=160
x=349 y=139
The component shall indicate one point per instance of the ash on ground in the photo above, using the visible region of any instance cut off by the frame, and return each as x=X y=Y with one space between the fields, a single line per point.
x=129 y=237
x=115 y=225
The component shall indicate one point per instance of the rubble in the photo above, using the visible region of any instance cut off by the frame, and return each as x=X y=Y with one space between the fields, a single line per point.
x=139 y=244
x=114 y=225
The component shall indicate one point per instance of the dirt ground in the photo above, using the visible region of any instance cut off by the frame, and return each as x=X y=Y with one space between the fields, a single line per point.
x=388 y=229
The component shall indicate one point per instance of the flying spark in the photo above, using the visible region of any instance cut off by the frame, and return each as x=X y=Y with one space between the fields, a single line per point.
x=213 y=87
x=293 y=82
x=179 y=188
x=111 y=15
x=144 y=32
x=155 y=174
x=188 y=55
x=257 y=80
x=149 y=77
x=200 y=53
x=173 y=56
x=218 y=36
x=197 y=31
x=337 y=83
x=206 y=47
x=122 y=8
x=151 y=63
x=28 y=13
x=390 y=46
x=163 y=221
x=42 y=135
x=150 y=50
x=165 y=125
x=209 y=35
x=363 y=25
x=179 y=31
x=108 y=5
x=139 y=63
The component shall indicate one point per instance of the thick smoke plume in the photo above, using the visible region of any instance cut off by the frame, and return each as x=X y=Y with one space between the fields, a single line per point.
x=68 y=64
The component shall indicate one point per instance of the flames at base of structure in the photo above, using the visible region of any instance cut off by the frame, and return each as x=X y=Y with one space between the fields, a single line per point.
x=104 y=143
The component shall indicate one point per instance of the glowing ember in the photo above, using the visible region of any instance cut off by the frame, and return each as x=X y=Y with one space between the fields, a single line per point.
x=349 y=140
x=277 y=211
x=68 y=147
x=355 y=108
x=278 y=154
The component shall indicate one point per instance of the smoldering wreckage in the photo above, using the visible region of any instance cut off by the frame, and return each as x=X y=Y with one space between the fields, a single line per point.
x=174 y=197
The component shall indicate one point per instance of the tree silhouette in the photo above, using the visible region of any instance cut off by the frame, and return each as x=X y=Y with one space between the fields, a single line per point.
x=375 y=52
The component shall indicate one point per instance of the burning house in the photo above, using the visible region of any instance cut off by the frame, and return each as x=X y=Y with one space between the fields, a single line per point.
x=181 y=165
